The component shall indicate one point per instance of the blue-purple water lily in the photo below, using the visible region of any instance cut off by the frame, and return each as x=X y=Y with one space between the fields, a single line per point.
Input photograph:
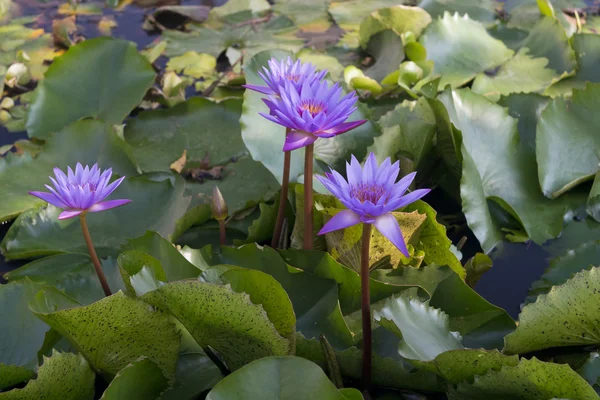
x=81 y=191
x=371 y=194
x=316 y=111
x=280 y=72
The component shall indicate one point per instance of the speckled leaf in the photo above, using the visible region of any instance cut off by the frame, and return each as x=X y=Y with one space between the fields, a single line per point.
x=23 y=333
x=141 y=272
x=72 y=273
x=101 y=78
x=157 y=203
x=62 y=376
x=116 y=331
x=159 y=137
x=461 y=48
x=567 y=316
x=239 y=330
x=140 y=380
x=316 y=314
x=11 y=375
x=87 y=142
x=563 y=268
x=528 y=380
x=424 y=330
x=568 y=144
x=273 y=378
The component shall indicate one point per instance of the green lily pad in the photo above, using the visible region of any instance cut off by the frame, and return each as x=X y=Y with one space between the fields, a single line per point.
x=227 y=321
x=593 y=204
x=400 y=19
x=193 y=64
x=114 y=332
x=310 y=16
x=548 y=39
x=24 y=334
x=73 y=273
x=479 y=10
x=500 y=170
x=528 y=380
x=84 y=141
x=566 y=316
x=316 y=314
x=160 y=137
x=161 y=197
x=349 y=14
x=62 y=376
x=322 y=61
x=520 y=74
x=264 y=139
x=11 y=375
x=424 y=331
x=141 y=272
x=295 y=379
x=567 y=141
x=461 y=48
x=101 y=78
x=140 y=380
x=590 y=371
x=387 y=49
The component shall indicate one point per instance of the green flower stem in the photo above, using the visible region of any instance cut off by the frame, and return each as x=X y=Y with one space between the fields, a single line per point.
x=285 y=181
x=366 y=306
x=92 y=251
x=308 y=197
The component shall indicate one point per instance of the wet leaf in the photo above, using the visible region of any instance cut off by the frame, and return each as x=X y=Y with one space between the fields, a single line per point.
x=140 y=380
x=102 y=78
x=114 y=332
x=62 y=375
x=461 y=48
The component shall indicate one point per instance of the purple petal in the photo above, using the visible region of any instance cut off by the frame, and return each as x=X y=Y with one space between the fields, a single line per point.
x=353 y=171
x=260 y=89
x=69 y=214
x=341 y=220
x=49 y=198
x=107 y=205
x=409 y=198
x=388 y=226
x=370 y=169
x=344 y=127
x=296 y=139
x=400 y=187
x=109 y=189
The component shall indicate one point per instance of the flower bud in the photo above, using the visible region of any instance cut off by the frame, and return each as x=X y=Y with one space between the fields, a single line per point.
x=410 y=73
x=218 y=206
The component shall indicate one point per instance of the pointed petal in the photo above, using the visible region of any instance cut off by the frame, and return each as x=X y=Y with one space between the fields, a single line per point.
x=49 y=198
x=409 y=198
x=370 y=169
x=69 y=214
x=109 y=189
x=107 y=205
x=400 y=187
x=353 y=171
x=388 y=226
x=296 y=139
x=260 y=89
x=341 y=220
x=344 y=127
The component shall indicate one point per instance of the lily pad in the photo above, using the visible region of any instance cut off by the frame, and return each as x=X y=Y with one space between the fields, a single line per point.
x=310 y=16
x=87 y=142
x=568 y=146
x=161 y=197
x=349 y=14
x=140 y=380
x=102 y=78
x=461 y=48
x=566 y=316
x=548 y=39
x=528 y=380
x=593 y=204
x=400 y=19
x=141 y=272
x=479 y=10
x=295 y=379
x=63 y=375
x=11 y=375
x=227 y=321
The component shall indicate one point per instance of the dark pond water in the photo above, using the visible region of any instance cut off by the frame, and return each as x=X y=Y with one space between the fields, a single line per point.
x=516 y=266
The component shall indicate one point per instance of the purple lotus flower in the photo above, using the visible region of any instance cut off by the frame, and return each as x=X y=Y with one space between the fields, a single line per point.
x=280 y=72
x=316 y=111
x=82 y=191
x=371 y=194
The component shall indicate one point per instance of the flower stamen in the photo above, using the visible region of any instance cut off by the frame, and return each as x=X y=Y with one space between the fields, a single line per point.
x=313 y=106
x=368 y=192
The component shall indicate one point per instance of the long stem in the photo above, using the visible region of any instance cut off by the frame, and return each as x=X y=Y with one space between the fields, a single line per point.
x=92 y=251
x=308 y=197
x=285 y=181
x=216 y=360
x=222 y=234
x=366 y=306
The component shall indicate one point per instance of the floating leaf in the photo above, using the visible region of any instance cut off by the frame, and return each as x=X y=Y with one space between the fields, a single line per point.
x=461 y=48
x=274 y=378
x=400 y=19
x=114 y=332
x=227 y=321
x=349 y=14
x=567 y=141
x=141 y=272
x=590 y=371
x=193 y=64
x=566 y=316
x=387 y=49
x=310 y=16
x=62 y=376
x=424 y=331
x=101 y=78
x=593 y=204
x=140 y=380
x=479 y=10
x=548 y=39
x=24 y=334
x=11 y=375
x=157 y=204
x=528 y=380
x=84 y=141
